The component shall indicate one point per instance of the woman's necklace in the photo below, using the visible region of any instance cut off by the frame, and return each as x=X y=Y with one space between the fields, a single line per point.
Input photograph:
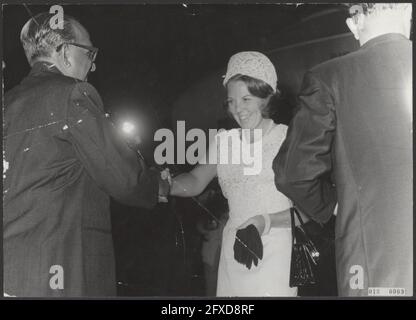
x=258 y=127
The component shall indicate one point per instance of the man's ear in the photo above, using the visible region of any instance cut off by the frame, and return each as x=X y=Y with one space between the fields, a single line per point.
x=63 y=56
x=353 y=28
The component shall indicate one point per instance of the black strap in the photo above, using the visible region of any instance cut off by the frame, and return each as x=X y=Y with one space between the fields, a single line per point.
x=294 y=211
x=292 y=218
x=298 y=215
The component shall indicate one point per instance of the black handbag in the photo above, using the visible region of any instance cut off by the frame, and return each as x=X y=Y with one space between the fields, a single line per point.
x=305 y=256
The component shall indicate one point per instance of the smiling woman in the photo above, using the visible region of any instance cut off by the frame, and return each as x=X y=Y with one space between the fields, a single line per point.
x=252 y=93
x=251 y=83
x=256 y=242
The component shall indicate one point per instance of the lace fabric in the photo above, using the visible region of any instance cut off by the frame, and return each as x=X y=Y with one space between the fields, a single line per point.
x=250 y=195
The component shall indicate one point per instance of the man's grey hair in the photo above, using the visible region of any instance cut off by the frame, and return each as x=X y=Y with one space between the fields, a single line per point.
x=40 y=40
x=369 y=8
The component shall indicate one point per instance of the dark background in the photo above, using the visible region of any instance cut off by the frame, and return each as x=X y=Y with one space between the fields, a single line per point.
x=149 y=55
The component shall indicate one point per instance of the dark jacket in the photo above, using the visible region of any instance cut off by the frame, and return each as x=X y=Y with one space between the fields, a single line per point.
x=351 y=142
x=65 y=161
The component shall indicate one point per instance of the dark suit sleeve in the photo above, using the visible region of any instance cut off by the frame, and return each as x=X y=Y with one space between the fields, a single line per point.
x=103 y=152
x=303 y=165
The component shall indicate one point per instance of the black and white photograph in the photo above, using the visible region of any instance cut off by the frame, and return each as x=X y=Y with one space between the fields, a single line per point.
x=207 y=150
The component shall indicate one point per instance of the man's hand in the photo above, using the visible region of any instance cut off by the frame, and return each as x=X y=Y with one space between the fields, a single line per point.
x=165 y=175
x=165 y=182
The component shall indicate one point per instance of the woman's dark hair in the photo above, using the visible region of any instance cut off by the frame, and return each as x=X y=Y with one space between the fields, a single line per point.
x=259 y=89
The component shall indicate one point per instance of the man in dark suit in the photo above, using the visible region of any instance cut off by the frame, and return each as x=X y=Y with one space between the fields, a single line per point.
x=65 y=160
x=350 y=143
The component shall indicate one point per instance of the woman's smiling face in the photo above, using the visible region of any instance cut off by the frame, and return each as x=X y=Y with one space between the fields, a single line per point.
x=244 y=107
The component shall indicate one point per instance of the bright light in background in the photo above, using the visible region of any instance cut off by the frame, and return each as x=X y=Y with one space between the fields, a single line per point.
x=132 y=123
x=128 y=128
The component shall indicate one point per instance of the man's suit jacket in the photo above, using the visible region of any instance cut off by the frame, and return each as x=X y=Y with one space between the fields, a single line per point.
x=351 y=142
x=65 y=161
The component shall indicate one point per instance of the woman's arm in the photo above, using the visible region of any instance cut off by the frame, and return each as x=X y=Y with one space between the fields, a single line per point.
x=279 y=219
x=192 y=183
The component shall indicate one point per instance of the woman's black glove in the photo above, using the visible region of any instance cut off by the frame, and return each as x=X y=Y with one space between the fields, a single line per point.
x=248 y=247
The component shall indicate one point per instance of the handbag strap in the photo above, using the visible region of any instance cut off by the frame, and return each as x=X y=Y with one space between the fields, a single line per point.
x=294 y=211
x=292 y=219
x=298 y=215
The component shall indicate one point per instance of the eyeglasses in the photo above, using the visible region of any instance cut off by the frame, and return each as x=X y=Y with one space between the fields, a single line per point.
x=92 y=51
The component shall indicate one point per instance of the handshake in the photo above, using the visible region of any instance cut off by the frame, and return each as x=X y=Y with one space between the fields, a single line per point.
x=165 y=183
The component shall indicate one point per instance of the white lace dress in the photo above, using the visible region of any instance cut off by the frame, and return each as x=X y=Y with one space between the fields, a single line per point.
x=248 y=196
